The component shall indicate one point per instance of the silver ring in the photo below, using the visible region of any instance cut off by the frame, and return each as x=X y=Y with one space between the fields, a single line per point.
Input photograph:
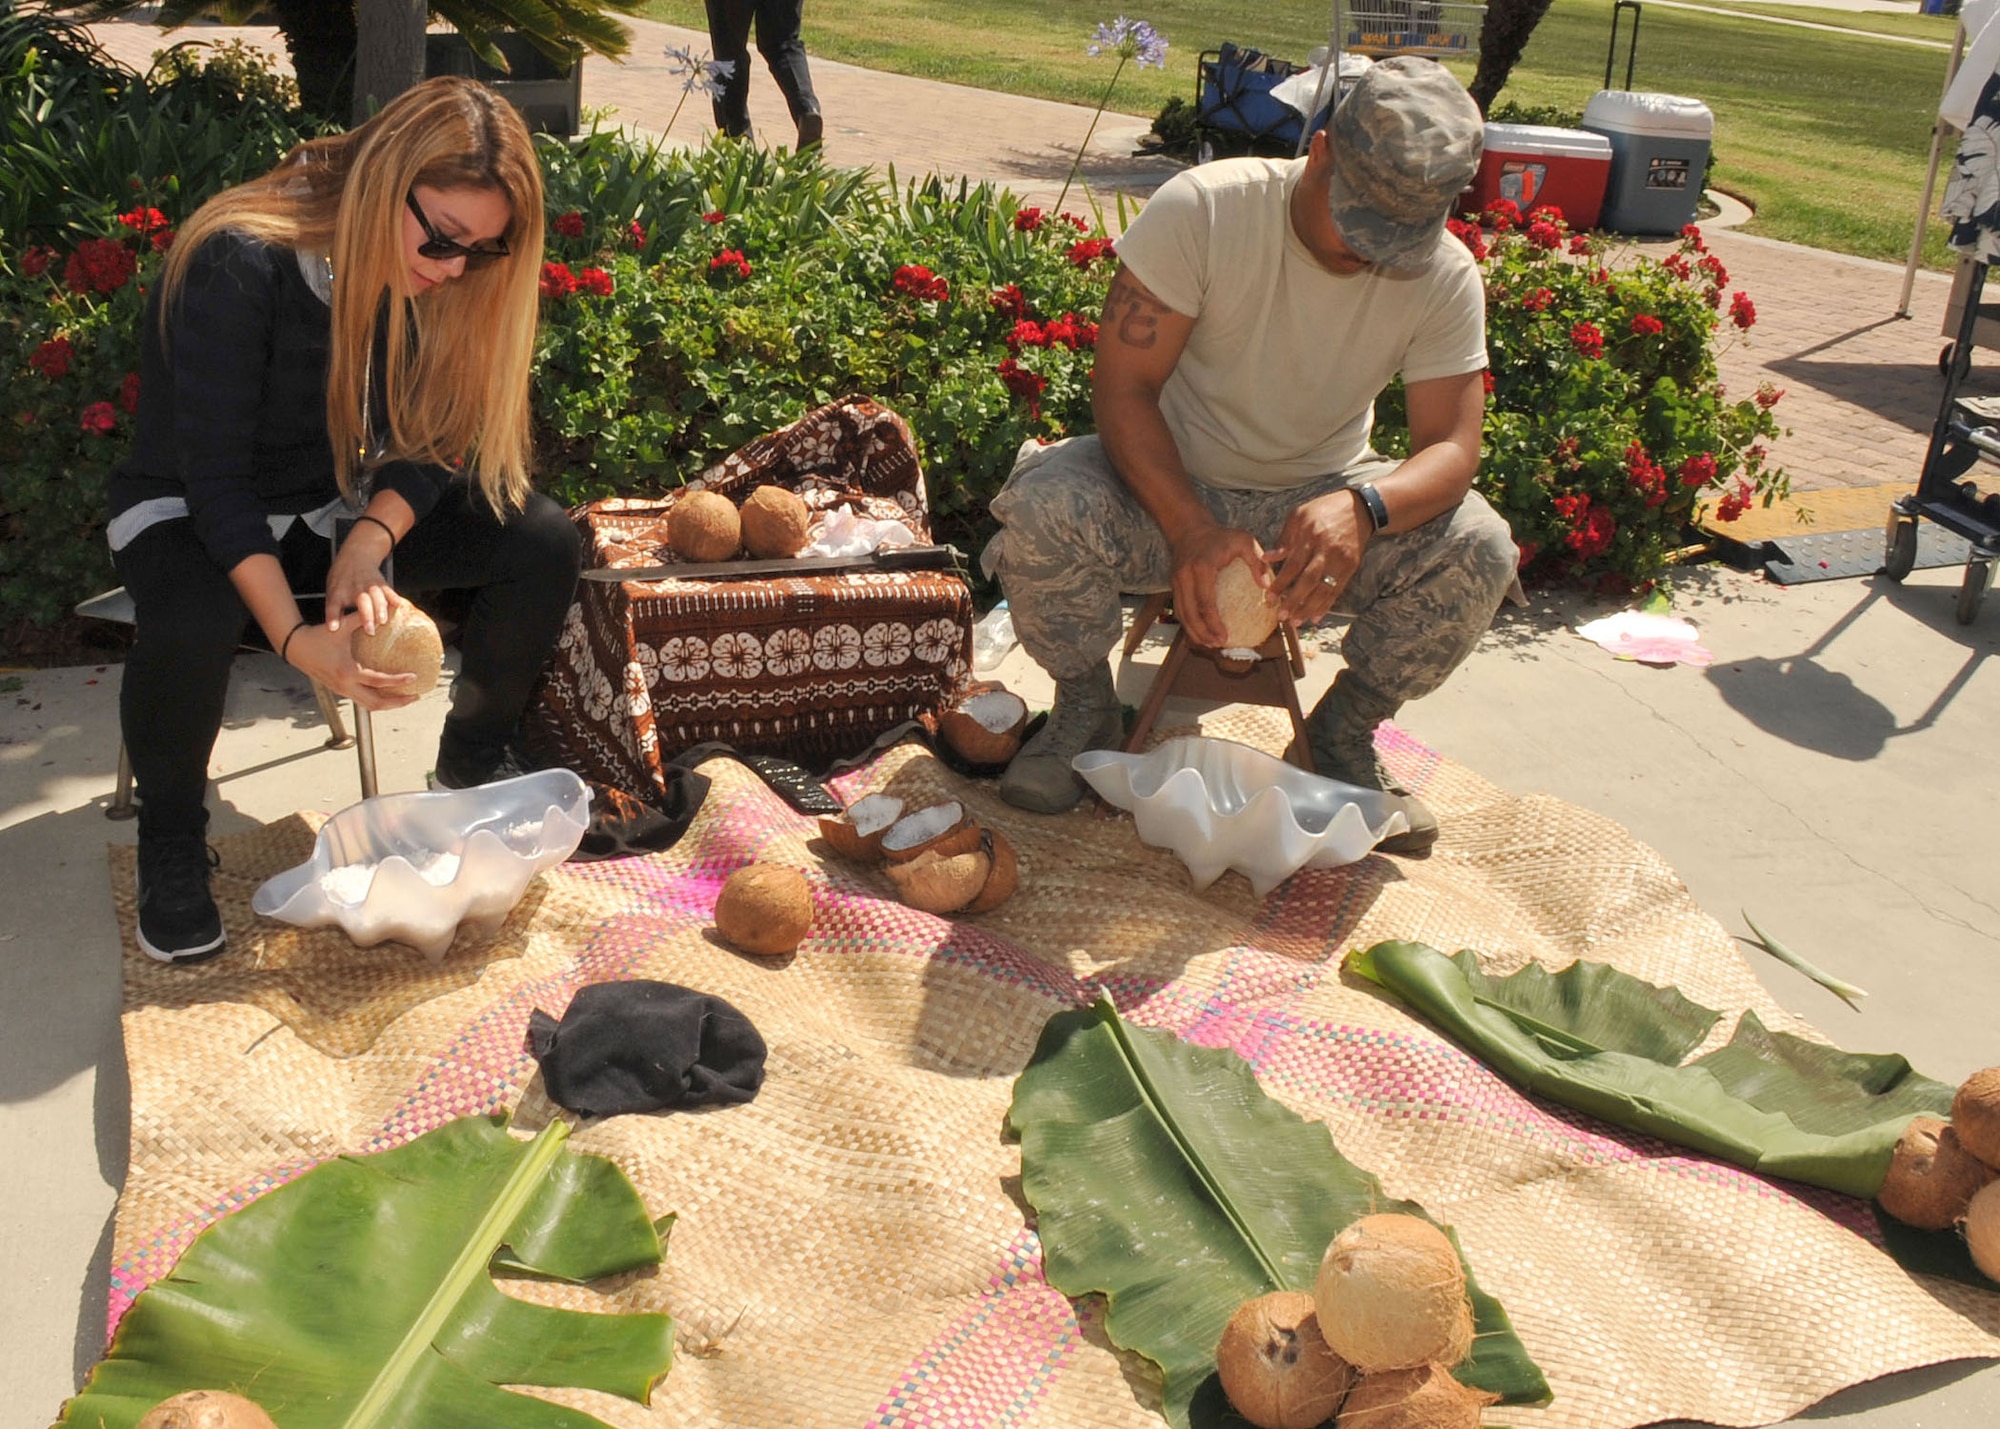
x=1329 y=582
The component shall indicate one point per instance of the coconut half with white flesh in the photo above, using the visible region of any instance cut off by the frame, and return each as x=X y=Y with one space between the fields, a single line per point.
x=985 y=728
x=1391 y=1295
x=857 y=831
x=944 y=829
x=940 y=883
x=1931 y=1177
x=1276 y=1367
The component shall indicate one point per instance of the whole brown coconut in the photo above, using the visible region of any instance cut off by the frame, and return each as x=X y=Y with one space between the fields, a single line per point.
x=985 y=728
x=1424 y=1397
x=1975 y=1115
x=407 y=641
x=1247 y=617
x=857 y=831
x=1002 y=877
x=206 y=1409
x=764 y=908
x=1982 y=1231
x=704 y=527
x=775 y=523
x=1391 y=1295
x=1275 y=1365
x=1931 y=1176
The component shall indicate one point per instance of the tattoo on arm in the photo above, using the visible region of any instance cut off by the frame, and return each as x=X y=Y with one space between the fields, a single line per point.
x=1133 y=313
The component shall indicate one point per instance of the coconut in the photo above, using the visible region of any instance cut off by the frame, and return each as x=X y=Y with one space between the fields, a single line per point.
x=764 y=908
x=1424 y=1397
x=941 y=883
x=857 y=832
x=1248 y=618
x=704 y=527
x=943 y=829
x=206 y=1409
x=1276 y=1367
x=1391 y=1295
x=1003 y=877
x=1931 y=1176
x=986 y=728
x=408 y=641
x=775 y=523
x=1975 y=1115
x=1982 y=1231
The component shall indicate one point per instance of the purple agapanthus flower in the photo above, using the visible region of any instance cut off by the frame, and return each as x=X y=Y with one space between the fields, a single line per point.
x=1130 y=40
x=699 y=72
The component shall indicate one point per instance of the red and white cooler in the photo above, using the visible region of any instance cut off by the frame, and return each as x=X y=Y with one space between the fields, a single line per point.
x=1535 y=164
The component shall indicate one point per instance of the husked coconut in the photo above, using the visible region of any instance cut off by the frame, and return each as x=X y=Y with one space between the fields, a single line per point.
x=940 y=883
x=1275 y=1365
x=1248 y=618
x=1982 y=1231
x=856 y=832
x=704 y=526
x=408 y=641
x=1003 y=875
x=1391 y=1295
x=775 y=523
x=944 y=829
x=206 y=1409
x=764 y=908
x=1931 y=1176
x=1423 y=1397
x=986 y=728
x=1975 y=1115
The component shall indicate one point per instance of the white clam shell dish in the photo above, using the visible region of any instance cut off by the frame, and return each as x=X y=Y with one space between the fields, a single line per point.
x=1219 y=805
x=415 y=868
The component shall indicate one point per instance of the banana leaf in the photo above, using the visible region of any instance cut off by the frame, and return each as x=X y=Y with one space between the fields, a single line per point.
x=1603 y=1042
x=360 y=1296
x=1164 y=1178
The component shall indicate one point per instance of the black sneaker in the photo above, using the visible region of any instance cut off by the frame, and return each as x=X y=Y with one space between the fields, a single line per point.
x=178 y=921
x=511 y=764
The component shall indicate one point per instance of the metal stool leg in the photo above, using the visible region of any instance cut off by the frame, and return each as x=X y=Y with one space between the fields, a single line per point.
x=121 y=806
x=337 y=736
x=364 y=724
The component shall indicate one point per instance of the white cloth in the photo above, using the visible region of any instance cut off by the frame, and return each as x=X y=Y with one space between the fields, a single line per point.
x=1278 y=381
x=842 y=533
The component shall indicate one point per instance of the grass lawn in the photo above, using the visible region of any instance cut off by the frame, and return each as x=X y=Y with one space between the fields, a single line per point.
x=1824 y=134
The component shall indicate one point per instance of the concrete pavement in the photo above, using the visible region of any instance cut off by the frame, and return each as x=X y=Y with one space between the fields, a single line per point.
x=1833 y=772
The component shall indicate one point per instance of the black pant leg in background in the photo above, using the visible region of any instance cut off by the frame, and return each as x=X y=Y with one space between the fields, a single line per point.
x=778 y=25
x=729 y=36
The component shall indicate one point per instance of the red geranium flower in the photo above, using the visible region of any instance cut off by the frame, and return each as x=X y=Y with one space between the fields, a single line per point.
x=1698 y=470
x=1538 y=300
x=1646 y=325
x=638 y=232
x=730 y=260
x=1502 y=213
x=1469 y=234
x=1678 y=266
x=1768 y=395
x=920 y=283
x=715 y=215
x=1026 y=385
x=568 y=225
x=99 y=265
x=594 y=281
x=557 y=280
x=100 y=418
x=1580 y=244
x=35 y=261
x=51 y=359
x=1026 y=333
x=1691 y=235
x=1545 y=213
x=1008 y=302
x=1081 y=225
x=128 y=392
x=1742 y=311
x=1486 y=381
x=1089 y=250
x=1545 y=235
x=1027 y=220
x=163 y=240
x=143 y=220
x=1736 y=502
x=1587 y=339
x=1712 y=265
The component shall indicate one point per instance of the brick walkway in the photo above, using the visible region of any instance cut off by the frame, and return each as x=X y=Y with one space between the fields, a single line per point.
x=1862 y=386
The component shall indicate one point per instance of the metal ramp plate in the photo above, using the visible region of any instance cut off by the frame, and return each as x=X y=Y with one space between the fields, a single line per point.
x=1798 y=559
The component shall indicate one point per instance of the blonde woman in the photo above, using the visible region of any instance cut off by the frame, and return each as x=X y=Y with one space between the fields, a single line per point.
x=340 y=347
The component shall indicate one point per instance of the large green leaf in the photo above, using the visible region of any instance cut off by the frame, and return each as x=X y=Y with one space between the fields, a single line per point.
x=360 y=1296
x=1163 y=1177
x=1603 y=1042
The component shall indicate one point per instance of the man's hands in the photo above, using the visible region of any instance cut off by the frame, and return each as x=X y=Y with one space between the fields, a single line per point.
x=1198 y=559
x=1318 y=553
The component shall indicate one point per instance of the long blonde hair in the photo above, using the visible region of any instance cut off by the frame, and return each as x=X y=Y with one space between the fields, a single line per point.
x=456 y=380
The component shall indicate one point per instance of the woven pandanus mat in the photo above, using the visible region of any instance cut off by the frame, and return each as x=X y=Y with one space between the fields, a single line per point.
x=851 y=1248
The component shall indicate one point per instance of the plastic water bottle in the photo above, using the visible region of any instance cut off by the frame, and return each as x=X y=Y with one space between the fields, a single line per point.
x=993 y=637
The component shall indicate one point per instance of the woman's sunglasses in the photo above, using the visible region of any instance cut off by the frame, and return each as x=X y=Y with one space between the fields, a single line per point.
x=437 y=246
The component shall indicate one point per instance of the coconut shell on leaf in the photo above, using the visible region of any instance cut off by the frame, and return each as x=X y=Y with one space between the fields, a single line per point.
x=856 y=833
x=1975 y=1115
x=985 y=728
x=944 y=829
x=705 y=526
x=407 y=642
x=1931 y=1177
x=1422 y=1397
x=764 y=908
x=1391 y=1295
x=1276 y=1367
x=206 y=1409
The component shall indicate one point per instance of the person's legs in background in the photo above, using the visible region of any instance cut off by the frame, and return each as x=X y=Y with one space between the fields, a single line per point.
x=729 y=37
x=778 y=26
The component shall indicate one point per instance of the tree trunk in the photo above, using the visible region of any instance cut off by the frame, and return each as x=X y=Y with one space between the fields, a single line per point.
x=320 y=36
x=1502 y=36
x=389 y=56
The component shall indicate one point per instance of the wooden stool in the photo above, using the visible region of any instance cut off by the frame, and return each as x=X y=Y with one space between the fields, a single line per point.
x=1192 y=672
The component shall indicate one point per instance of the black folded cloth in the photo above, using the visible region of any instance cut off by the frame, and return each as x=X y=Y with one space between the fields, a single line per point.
x=646 y=1046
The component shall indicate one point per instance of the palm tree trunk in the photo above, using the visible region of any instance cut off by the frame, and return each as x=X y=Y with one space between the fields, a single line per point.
x=321 y=36
x=389 y=53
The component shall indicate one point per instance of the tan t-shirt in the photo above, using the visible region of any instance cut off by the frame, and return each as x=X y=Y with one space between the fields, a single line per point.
x=1278 y=381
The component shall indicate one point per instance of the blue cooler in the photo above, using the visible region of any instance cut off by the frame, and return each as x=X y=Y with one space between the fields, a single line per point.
x=1659 y=152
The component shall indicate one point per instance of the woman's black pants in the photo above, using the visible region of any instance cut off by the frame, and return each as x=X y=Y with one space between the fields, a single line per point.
x=522 y=574
x=778 y=23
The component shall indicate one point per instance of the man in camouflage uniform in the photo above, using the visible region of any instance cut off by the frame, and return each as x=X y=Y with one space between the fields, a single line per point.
x=1259 y=308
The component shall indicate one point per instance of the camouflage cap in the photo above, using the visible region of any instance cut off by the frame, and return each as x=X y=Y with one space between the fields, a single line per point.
x=1406 y=142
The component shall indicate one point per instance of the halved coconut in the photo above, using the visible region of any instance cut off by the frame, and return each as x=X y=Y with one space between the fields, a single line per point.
x=206 y=1409
x=1982 y=1231
x=1975 y=1115
x=407 y=642
x=764 y=908
x=1275 y=1365
x=940 y=883
x=856 y=832
x=944 y=829
x=985 y=728
x=705 y=526
x=1424 y=1397
x=1004 y=877
x=1931 y=1177
x=1236 y=660
x=1248 y=617
x=1391 y=1295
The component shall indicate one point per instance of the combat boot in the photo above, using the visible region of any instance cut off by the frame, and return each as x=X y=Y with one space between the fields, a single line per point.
x=1086 y=715
x=1341 y=731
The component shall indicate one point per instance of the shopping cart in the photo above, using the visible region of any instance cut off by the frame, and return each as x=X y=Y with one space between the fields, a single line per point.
x=1439 y=28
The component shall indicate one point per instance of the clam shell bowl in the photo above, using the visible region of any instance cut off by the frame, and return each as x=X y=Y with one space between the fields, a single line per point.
x=1219 y=805
x=416 y=868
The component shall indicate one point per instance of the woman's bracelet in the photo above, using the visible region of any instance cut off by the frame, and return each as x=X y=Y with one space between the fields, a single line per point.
x=287 y=645
x=377 y=520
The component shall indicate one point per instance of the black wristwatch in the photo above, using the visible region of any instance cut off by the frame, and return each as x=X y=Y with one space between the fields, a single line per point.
x=1378 y=509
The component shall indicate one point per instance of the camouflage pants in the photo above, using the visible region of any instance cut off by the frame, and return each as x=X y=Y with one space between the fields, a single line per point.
x=1074 y=538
